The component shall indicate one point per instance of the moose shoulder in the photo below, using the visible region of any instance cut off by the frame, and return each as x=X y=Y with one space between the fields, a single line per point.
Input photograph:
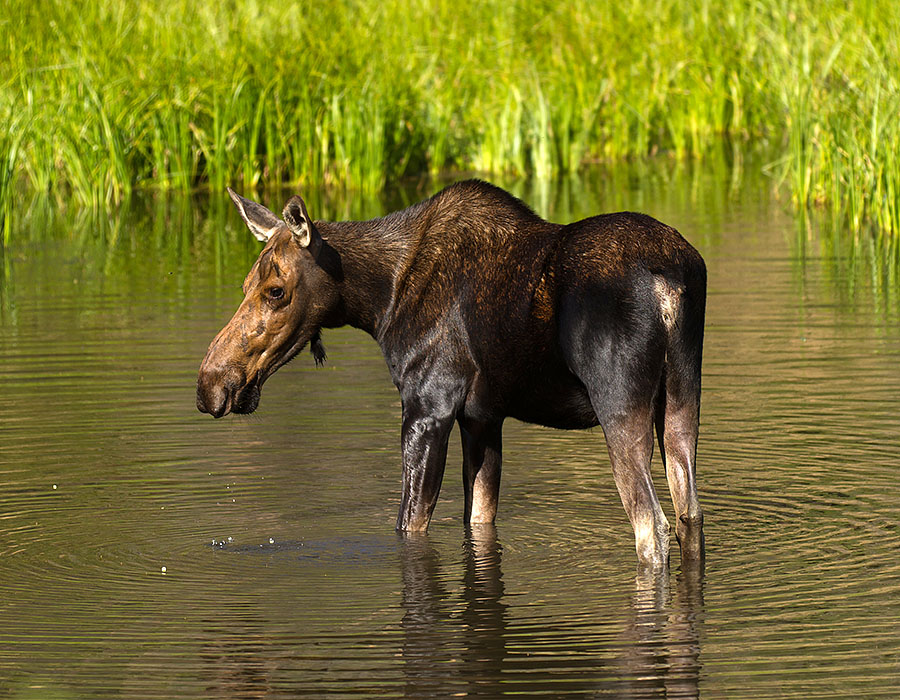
x=484 y=310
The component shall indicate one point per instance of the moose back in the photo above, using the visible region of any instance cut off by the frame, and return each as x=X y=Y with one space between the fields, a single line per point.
x=483 y=310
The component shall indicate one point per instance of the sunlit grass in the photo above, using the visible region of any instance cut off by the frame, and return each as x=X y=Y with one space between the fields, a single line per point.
x=11 y=130
x=100 y=98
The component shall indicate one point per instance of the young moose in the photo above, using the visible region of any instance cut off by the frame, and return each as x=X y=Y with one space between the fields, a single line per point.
x=484 y=310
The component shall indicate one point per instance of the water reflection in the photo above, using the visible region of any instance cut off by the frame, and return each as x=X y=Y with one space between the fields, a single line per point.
x=477 y=649
x=484 y=617
x=862 y=272
x=237 y=659
x=431 y=633
x=661 y=655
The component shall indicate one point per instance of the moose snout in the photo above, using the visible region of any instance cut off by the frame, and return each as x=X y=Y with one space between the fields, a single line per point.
x=212 y=399
x=217 y=389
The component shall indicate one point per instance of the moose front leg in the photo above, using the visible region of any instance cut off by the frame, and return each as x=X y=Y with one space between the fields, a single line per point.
x=424 y=443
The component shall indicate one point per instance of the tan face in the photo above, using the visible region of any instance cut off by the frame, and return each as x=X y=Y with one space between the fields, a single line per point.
x=279 y=315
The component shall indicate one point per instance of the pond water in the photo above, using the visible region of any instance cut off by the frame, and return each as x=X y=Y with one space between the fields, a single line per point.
x=147 y=551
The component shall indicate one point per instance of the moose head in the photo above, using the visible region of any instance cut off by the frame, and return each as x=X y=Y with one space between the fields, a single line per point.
x=288 y=296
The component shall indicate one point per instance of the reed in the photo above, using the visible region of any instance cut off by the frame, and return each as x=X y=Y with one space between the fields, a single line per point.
x=361 y=93
x=11 y=134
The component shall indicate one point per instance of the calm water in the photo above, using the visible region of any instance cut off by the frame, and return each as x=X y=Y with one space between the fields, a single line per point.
x=147 y=551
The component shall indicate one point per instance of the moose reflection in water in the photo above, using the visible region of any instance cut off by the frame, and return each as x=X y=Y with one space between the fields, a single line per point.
x=467 y=640
x=483 y=310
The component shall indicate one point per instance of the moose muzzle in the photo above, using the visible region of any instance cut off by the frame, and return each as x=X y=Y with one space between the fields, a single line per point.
x=224 y=390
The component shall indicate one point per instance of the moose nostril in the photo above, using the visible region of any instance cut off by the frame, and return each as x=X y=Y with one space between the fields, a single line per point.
x=201 y=402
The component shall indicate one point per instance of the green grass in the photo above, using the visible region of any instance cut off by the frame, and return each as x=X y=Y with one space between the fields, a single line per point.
x=99 y=98
x=13 y=127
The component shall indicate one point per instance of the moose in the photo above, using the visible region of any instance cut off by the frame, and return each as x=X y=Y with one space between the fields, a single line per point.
x=484 y=311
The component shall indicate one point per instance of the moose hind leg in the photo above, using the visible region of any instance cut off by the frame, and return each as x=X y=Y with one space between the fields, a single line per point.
x=481 y=448
x=629 y=439
x=677 y=428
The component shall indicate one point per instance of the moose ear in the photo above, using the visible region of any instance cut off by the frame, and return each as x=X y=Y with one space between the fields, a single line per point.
x=297 y=219
x=261 y=222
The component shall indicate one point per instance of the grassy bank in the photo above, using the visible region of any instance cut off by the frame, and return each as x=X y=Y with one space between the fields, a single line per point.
x=99 y=98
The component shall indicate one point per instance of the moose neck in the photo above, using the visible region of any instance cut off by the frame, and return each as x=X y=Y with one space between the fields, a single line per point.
x=367 y=256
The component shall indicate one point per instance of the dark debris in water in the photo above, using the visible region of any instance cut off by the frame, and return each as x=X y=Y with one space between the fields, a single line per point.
x=340 y=549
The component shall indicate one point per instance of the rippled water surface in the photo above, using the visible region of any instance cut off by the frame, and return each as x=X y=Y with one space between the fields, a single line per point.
x=147 y=551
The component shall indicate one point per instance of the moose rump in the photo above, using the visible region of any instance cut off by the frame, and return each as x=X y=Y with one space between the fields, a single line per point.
x=484 y=311
x=631 y=321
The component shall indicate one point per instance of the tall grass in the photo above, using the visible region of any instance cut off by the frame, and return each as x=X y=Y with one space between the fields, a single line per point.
x=127 y=95
x=10 y=140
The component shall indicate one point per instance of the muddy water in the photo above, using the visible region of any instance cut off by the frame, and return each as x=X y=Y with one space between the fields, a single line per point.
x=147 y=551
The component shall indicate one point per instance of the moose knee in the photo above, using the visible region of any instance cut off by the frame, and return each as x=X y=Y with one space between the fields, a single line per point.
x=425 y=426
x=422 y=432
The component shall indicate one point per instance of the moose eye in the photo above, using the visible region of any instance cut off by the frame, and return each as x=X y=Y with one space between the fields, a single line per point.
x=276 y=293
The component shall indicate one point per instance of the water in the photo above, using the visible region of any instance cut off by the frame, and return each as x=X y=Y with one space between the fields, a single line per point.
x=118 y=499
